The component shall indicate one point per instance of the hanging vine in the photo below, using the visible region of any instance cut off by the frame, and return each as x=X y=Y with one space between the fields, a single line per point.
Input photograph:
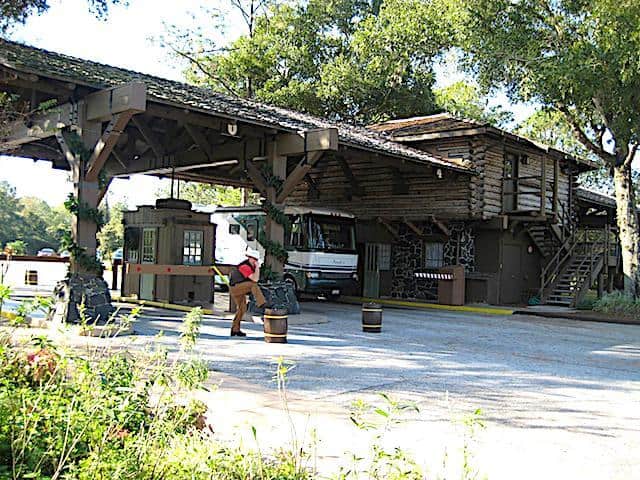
x=82 y=210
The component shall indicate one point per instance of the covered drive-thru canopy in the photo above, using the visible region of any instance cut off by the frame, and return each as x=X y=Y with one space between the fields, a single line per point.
x=134 y=123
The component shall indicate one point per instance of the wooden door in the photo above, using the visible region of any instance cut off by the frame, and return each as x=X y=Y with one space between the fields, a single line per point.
x=510 y=183
x=371 y=283
x=147 y=280
x=511 y=281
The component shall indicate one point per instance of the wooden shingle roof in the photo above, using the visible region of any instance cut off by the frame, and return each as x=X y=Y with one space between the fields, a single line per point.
x=421 y=128
x=56 y=66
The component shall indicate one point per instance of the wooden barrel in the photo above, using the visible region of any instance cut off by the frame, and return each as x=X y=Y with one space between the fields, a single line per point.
x=275 y=325
x=371 y=318
x=31 y=277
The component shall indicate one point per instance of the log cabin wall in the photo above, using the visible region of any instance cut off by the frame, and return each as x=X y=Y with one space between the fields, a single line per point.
x=369 y=189
x=487 y=155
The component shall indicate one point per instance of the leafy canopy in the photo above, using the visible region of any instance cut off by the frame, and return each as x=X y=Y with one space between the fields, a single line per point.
x=344 y=59
x=577 y=56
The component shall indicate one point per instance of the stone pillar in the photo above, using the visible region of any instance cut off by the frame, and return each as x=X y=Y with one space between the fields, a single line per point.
x=84 y=293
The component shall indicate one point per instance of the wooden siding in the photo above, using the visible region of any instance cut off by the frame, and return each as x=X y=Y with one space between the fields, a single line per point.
x=426 y=195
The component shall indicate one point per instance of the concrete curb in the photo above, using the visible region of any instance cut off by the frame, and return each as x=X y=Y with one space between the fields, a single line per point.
x=166 y=306
x=579 y=317
x=430 y=306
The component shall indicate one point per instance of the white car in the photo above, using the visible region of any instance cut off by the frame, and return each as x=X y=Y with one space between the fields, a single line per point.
x=47 y=252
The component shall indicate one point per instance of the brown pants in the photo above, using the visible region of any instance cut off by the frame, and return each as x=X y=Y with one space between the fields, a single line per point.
x=239 y=294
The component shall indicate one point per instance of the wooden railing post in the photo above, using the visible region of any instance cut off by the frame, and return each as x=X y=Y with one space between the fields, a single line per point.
x=543 y=189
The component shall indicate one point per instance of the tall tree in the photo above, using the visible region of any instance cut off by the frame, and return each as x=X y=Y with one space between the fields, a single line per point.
x=9 y=214
x=356 y=60
x=579 y=57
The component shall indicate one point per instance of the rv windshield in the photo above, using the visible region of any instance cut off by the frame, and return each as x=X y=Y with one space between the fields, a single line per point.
x=331 y=233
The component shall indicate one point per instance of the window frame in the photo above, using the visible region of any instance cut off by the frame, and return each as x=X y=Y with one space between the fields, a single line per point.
x=192 y=247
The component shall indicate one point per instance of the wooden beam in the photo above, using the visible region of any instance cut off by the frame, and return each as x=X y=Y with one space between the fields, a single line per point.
x=105 y=145
x=321 y=139
x=256 y=177
x=200 y=140
x=413 y=227
x=173 y=270
x=356 y=188
x=98 y=106
x=298 y=173
x=68 y=154
x=149 y=136
x=391 y=230
x=443 y=228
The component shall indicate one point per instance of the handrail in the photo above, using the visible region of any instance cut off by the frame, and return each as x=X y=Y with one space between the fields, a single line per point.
x=548 y=274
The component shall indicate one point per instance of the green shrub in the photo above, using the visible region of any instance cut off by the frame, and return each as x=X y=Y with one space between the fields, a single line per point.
x=618 y=303
x=116 y=416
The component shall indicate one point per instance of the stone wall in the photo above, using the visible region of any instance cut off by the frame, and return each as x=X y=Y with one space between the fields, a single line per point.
x=408 y=256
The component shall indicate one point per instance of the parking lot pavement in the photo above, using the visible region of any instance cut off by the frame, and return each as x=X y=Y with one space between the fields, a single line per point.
x=560 y=398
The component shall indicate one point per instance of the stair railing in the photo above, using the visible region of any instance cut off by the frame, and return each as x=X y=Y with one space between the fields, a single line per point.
x=555 y=263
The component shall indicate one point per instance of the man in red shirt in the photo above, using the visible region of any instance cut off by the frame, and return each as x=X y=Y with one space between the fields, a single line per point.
x=244 y=280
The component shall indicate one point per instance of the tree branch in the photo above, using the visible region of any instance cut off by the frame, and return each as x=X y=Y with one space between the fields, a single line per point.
x=204 y=70
x=631 y=155
x=584 y=138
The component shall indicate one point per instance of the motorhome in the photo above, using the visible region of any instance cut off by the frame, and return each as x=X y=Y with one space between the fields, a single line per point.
x=320 y=243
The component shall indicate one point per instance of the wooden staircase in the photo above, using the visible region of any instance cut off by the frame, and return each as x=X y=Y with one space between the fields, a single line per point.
x=572 y=269
x=544 y=238
x=575 y=279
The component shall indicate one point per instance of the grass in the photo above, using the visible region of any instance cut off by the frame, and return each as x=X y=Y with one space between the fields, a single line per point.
x=618 y=303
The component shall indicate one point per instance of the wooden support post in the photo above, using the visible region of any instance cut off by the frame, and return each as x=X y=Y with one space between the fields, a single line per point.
x=274 y=231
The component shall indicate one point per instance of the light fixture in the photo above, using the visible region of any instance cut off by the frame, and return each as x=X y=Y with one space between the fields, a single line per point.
x=439 y=173
x=232 y=129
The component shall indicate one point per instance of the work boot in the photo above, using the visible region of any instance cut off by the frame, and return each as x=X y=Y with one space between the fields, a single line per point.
x=239 y=333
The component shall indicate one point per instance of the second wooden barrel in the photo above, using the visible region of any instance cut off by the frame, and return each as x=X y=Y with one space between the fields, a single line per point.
x=371 y=317
x=31 y=277
x=275 y=325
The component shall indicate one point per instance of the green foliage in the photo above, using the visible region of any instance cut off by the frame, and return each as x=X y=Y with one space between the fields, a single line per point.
x=31 y=221
x=9 y=214
x=465 y=100
x=202 y=194
x=86 y=262
x=578 y=57
x=111 y=236
x=618 y=303
x=119 y=415
x=17 y=247
x=83 y=210
x=272 y=248
x=5 y=294
x=350 y=59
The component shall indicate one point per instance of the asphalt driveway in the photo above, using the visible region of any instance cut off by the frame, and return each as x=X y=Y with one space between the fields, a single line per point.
x=559 y=398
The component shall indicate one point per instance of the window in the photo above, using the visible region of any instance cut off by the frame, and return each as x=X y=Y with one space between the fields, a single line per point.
x=433 y=254
x=149 y=245
x=192 y=247
x=296 y=236
x=384 y=256
x=234 y=229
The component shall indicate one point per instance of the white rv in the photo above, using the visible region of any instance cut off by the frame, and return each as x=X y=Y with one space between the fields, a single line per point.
x=321 y=245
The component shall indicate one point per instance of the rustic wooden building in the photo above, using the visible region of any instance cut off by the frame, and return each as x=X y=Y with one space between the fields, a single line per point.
x=512 y=220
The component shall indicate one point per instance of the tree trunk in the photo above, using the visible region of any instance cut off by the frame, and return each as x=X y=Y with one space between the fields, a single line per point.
x=628 y=227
